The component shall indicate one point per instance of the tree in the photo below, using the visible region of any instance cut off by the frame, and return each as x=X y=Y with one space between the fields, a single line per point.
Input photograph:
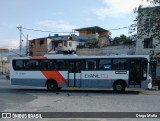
x=154 y=2
x=152 y=22
x=123 y=39
x=148 y=22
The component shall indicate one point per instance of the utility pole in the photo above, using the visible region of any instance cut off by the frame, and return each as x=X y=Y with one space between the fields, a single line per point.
x=20 y=47
x=27 y=46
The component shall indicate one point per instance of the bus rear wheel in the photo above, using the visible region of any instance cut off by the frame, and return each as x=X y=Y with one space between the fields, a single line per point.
x=52 y=86
x=119 y=87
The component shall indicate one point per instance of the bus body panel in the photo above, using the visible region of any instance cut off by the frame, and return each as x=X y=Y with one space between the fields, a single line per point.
x=82 y=79
x=85 y=79
x=38 y=78
x=29 y=82
x=102 y=79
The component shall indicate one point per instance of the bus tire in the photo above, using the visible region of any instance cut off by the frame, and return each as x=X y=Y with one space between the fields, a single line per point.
x=119 y=87
x=52 y=85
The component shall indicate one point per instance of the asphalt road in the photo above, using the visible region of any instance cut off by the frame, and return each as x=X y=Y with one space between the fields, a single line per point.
x=28 y=99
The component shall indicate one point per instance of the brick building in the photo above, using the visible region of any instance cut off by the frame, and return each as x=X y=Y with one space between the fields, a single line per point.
x=39 y=46
x=42 y=46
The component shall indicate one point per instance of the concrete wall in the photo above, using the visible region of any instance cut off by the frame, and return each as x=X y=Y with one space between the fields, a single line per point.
x=130 y=50
x=4 y=67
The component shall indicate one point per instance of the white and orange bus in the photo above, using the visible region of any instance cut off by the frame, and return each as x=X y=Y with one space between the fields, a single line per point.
x=59 y=71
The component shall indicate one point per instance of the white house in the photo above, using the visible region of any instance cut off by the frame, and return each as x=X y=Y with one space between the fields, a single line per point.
x=148 y=43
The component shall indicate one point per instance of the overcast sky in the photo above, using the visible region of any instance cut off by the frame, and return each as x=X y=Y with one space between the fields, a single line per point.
x=62 y=16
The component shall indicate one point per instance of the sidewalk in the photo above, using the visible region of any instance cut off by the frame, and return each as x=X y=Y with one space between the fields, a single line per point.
x=152 y=91
x=2 y=76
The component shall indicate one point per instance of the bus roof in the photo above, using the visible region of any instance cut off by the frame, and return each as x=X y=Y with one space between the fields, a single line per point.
x=74 y=56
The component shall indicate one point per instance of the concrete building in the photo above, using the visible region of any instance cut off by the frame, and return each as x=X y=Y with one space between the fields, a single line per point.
x=4 y=64
x=6 y=55
x=64 y=44
x=93 y=36
x=147 y=43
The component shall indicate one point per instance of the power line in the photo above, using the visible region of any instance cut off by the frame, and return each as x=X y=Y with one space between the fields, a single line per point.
x=120 y=28
x=43 y=30
x=64 y=32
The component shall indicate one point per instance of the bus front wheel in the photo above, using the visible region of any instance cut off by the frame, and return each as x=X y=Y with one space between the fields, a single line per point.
x=52 y=86
x=119 y=87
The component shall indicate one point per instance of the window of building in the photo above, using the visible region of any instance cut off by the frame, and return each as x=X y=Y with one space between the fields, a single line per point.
x=60 y=44
x=148 y=24
x=105 y=64
x=70 y=44
x=41 y=42
x=33 y=43
x=148 y=42
x=70 y=38
x=65 y=43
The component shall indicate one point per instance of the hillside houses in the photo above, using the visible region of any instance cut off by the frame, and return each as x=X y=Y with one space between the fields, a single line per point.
x=88 y=37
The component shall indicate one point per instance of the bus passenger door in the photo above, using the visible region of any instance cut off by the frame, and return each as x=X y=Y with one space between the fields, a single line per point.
x=135 y=73
x=74 y=74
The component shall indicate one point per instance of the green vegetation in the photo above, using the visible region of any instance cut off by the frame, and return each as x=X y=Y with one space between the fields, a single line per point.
x=123 y=39
x=152 y=21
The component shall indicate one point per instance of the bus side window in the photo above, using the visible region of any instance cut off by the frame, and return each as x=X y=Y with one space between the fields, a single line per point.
x=122 y=64
x=105 y=64
x=78 y=67
x=52 y=65
x=26 y=65
x=83 y=65
x=32 y=65
x=116 y=64
x=119 y=64
x=35 y=64
x=44 y=65
x=60 y=65
x=90 y=64
x=18 y=64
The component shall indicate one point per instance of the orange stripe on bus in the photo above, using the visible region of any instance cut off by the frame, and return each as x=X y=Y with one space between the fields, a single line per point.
x=55 y=75
x=62 y=78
